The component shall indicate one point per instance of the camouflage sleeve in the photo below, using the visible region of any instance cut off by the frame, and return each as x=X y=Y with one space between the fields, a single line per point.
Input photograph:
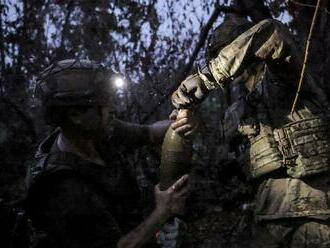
x=74 y=215
x=268 y=41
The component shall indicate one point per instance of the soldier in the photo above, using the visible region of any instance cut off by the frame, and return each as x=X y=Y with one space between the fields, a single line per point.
x=288 y=152
x=81 y=194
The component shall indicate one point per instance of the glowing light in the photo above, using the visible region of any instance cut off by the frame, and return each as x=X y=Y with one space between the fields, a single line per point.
x=119 y=82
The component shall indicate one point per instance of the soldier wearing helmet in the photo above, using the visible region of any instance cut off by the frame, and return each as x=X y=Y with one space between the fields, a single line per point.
x=288 y=151
x=81 y=193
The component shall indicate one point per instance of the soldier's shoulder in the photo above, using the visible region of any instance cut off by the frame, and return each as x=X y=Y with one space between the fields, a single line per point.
x=271 y=23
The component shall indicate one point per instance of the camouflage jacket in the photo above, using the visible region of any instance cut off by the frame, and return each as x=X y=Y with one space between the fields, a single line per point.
x=267 y=55
x=77 y=203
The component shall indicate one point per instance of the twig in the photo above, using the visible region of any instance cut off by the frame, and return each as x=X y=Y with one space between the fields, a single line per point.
x=306 y=56
x=3 y=75
x=309 y=5
x=202 y=38
x=66 y=24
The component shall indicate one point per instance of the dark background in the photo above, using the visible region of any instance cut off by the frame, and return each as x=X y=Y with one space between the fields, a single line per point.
x=156 y=44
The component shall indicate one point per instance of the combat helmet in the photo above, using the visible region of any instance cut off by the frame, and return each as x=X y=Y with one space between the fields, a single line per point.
x=75 y=82
x=225 y=33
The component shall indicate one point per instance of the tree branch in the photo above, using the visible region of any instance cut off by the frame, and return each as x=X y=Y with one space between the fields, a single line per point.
x=2 y=51
x=201 y=41
x=203 y=36
x=22 y=33
x=66 y=23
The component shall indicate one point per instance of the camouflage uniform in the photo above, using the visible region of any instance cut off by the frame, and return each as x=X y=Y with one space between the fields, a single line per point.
x=288 y=154
x=74 y=202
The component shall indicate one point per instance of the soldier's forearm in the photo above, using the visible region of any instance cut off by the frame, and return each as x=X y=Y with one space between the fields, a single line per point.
x=144 y=232
x=157 y=131
x=138 y=134
x=267 y=41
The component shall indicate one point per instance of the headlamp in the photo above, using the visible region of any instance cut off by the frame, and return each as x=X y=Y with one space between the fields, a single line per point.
x=119 y=82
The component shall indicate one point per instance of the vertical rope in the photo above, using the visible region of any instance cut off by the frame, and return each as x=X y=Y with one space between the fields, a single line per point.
x=306 y=56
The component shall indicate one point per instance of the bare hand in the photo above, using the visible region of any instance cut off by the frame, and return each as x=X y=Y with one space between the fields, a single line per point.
x=172 y=201
x=185 y=122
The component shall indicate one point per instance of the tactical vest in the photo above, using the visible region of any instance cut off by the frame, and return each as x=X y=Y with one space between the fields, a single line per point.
x=112 y=182
x=305 y=146
x=264 y=154
x=59 y=165
x=301 y=147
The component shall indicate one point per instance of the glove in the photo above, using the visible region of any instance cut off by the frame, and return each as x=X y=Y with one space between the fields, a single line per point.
x=191 y=91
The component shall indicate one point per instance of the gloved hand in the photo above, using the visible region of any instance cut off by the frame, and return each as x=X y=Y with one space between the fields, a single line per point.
x=190 y=92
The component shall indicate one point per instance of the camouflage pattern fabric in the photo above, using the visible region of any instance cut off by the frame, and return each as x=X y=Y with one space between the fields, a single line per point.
x=305 y=145
x=76 y=82
x=291 y=197
x=264 y=154
x=266 y=52
x=299 y=233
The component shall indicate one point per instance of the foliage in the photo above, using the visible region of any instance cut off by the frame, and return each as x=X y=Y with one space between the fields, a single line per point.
x=152 y=42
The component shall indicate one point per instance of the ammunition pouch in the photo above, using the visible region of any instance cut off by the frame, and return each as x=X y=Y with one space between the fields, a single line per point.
x=302 y=147
x=265 y=156
x=305 y=146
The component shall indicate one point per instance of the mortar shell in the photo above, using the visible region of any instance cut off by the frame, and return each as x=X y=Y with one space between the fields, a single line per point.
x=175 y=159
